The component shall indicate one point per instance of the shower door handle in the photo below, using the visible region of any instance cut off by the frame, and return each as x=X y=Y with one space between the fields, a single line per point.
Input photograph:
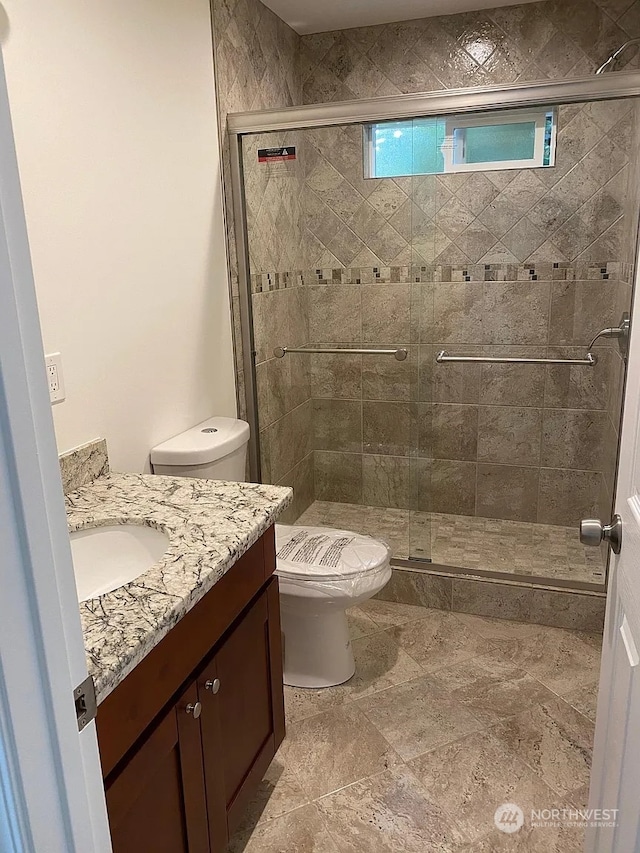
x=593 y=532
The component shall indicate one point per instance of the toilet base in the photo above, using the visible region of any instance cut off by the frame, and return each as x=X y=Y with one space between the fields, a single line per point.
x=317 y=648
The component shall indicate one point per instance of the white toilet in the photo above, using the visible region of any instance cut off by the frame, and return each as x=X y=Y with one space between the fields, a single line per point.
x=322 y=571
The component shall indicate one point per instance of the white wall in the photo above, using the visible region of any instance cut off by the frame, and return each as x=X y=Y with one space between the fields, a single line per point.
x=115 y=122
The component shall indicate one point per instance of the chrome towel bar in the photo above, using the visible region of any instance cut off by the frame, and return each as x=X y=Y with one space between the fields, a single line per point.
x=443 y=356
x=621 y=332
x=399 y=354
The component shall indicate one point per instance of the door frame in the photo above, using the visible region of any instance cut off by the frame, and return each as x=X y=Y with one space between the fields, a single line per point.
x=50 y=781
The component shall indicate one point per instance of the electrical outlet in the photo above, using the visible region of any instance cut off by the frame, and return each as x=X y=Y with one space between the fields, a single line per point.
x=55 y=378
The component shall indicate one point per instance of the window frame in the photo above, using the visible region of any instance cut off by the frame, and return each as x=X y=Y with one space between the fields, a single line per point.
x=462 y=121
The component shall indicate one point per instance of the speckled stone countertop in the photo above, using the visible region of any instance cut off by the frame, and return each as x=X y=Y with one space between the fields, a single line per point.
x=210 y=524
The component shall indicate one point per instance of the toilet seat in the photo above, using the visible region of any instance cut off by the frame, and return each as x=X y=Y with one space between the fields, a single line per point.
x=324 y=555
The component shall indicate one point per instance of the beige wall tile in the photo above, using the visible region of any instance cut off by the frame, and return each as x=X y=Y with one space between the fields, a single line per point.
x=338 y=476
x=336 y=376
x=454 y=432
x=334 y=314
x=386 y=481
x=453 y=487
x=385 y=313
x=573 y=439
x=389 y=428
x=509 y=434
x=566 y=496
x=337 y=425
x=515 y=313
x=507 y=491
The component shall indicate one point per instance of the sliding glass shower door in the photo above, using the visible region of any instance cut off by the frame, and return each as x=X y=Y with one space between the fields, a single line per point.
x=505 y=236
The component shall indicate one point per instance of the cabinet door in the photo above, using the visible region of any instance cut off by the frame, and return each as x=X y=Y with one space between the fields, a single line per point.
x=243 y=722
x=157 y=801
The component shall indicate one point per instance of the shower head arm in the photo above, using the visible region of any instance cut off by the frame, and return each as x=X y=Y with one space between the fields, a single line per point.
x=605 y=65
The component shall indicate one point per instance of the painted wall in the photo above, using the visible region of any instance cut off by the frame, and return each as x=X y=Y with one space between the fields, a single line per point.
x=114 y=116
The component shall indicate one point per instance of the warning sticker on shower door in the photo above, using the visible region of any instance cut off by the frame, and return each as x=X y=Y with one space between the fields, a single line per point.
x=278 y=161
x=276 y=155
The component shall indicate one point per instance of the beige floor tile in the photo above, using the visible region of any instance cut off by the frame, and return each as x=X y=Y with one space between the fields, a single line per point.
x=585 y=700
x=497 y=629
x=471 y=777
x=380 y=663
x=417 y=716
x=300 y=831
x=387 y=614
x=492 y=688
x=562 y=660
x=554 y=740
x=360 y=623
x=439 y=639
x=334 y=749
x=278 y=793
x=531 y=840
x=389 y=813
x=301 y=702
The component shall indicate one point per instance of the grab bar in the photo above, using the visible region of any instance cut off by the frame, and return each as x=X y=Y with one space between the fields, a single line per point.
x=621 y=332
x=443 y=356
x=399 y=354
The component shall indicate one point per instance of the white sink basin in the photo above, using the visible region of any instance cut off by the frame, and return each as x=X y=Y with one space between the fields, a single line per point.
x=105 y=558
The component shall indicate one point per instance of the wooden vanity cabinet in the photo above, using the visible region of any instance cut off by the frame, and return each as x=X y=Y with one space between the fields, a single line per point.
x=185 y=780
x=158 y=801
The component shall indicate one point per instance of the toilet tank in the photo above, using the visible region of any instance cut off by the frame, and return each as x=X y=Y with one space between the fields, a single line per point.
x=215 y=449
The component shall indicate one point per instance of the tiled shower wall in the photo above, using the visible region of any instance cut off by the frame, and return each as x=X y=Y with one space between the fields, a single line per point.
x=571 y=211
x=535 y=41
x=257 y=64
x=346 y=225
x=515 y=442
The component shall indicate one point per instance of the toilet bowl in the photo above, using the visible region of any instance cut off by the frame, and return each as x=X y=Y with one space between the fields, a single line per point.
x=323 y=572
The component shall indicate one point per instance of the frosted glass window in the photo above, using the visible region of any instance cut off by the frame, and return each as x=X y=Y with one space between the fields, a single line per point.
x=495 y=142
x=510 y=139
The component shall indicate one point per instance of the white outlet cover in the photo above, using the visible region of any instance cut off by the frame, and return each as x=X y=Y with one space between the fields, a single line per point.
x=55 y=379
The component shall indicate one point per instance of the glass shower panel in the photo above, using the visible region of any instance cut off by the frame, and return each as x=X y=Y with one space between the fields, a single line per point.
x=428 y=242
x=527 y=263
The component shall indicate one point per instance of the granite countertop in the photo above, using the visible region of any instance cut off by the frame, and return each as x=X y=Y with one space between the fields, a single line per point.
x=210 y=524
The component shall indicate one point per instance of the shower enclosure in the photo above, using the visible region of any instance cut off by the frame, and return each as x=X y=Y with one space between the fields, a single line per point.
x=434 y=295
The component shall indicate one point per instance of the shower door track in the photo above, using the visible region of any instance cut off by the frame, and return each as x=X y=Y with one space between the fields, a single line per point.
x=622 y=84
x=487 y=575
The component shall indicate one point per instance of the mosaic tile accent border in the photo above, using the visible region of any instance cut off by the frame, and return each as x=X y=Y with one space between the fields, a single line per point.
x=547 y=271
x=264 y=282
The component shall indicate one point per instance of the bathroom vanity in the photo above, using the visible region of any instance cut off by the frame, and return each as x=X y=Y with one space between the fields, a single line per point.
x=186 y=659
x=188 y=735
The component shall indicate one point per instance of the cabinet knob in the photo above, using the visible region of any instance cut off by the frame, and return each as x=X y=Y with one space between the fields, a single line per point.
x=194 y=708
x=213 y=685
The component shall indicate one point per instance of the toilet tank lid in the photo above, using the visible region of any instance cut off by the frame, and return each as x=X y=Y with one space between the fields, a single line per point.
x=206 y=442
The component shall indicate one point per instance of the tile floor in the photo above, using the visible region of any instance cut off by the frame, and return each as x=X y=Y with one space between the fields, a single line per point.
x=447 y=717
x=467 y=542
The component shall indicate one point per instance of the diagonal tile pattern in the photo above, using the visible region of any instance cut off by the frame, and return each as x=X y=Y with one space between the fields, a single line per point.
x=565 y=213
x=423 y=764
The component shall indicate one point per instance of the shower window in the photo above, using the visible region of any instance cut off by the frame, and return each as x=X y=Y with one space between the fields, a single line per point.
x=516 y=139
